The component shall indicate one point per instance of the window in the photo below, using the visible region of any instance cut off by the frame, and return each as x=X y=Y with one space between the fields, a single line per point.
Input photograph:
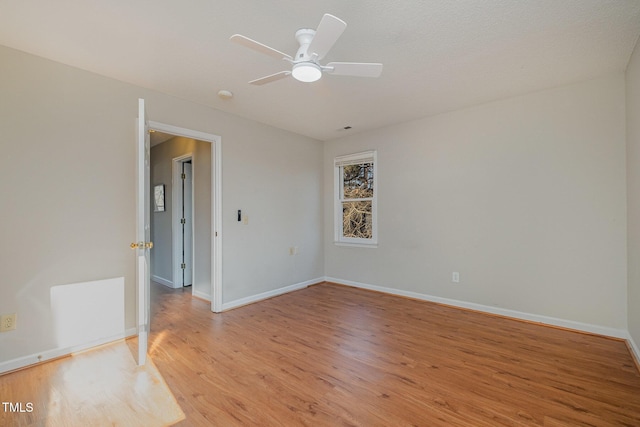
x=356 y=199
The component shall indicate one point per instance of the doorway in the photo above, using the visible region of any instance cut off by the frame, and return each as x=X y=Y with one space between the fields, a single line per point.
x=198 y=247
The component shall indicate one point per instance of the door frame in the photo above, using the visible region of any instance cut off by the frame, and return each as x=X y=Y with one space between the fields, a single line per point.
x=216 y=202
x=176 y=225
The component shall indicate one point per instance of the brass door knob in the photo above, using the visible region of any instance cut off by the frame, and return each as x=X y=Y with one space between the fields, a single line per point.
x=141 y=245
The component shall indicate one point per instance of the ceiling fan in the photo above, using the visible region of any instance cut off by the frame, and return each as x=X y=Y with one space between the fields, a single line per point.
x=314 y=45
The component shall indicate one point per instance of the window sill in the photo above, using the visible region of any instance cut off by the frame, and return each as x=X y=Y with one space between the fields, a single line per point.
x=357 y=245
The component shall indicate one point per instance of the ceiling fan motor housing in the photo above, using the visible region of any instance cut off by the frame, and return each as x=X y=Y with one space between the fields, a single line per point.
x=304 y=37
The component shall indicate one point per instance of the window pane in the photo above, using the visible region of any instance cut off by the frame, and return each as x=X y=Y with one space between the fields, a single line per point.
x=358 y=181
x=357 y=219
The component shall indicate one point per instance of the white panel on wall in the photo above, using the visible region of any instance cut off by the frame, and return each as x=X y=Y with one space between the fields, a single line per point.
x=88 y=311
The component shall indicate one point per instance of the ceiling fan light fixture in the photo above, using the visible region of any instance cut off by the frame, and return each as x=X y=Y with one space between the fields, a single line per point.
x=314 y=45
x=306 y=72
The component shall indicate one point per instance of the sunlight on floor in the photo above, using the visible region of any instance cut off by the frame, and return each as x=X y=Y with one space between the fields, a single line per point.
x=157 y=342
x=103 y=386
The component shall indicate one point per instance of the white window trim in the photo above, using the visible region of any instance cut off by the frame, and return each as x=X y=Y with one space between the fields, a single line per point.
x=351 y=159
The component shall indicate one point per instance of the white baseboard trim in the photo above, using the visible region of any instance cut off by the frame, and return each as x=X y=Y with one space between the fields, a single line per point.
x=22 y=362
x=162 y=281
x=635 y=350
x=552 y=321
x=269 y=294
x=201 y=295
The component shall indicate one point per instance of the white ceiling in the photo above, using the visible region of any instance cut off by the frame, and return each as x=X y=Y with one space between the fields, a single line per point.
x=438 y=55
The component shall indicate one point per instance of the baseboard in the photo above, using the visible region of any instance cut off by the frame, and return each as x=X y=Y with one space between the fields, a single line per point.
x=634 y=349
x=23 y=362
x=201 y=295
x=265 y=295
x=162 y=281
x=551 y=321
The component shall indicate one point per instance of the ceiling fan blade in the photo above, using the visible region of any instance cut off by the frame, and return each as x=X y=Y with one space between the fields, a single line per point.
x=258 y=47
x=329 y=31
x=271 y=78
x=356 y=69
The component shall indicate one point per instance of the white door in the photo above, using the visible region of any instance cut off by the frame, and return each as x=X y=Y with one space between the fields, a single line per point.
x=142 y=244
x=187 y=229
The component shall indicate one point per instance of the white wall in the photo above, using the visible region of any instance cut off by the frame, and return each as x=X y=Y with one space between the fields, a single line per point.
x=278 y=184
x=68 y=199
x=524 y=197
x=633 y=194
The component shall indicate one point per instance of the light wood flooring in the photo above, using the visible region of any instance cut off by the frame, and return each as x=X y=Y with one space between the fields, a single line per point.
x=100 y=387
x=331 y=355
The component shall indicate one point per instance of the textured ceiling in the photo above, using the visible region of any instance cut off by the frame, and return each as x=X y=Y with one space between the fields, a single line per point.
x=438 y=55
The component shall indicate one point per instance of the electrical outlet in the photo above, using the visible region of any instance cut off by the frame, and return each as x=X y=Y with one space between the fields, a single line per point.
x=293 y=250
x=8 y=322
x=455 y=277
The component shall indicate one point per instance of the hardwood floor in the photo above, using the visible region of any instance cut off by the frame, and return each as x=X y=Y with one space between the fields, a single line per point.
x=99 y=387
x=330 y=355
